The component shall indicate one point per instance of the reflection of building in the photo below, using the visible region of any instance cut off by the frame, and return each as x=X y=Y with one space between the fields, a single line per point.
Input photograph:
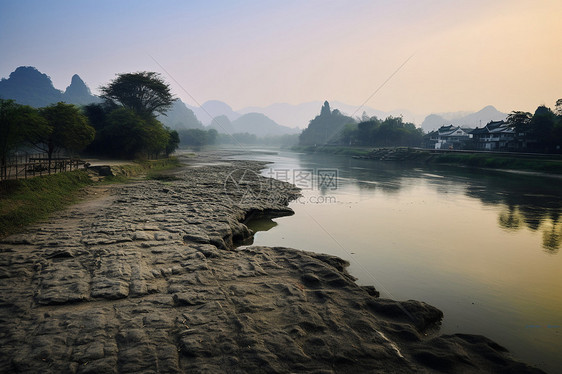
x=494 y=136
x=449 y=137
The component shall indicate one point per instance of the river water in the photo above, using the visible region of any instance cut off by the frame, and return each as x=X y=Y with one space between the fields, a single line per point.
x=482 y=246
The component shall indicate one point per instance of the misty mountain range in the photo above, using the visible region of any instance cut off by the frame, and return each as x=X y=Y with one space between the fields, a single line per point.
x=468 y=119
x=28 y=86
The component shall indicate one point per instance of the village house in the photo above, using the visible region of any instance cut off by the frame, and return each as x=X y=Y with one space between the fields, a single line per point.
x=449 y=137
x=496 y=135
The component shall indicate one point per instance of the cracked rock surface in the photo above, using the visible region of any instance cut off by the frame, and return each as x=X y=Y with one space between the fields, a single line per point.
x=147 y=278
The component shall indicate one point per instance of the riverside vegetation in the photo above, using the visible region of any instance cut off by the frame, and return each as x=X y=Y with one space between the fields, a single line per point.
x=147 y=277
x=26 y=201
x=123 y=126
x=551 y=164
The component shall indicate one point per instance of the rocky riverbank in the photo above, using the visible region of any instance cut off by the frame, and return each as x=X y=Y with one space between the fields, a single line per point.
x=147 y=277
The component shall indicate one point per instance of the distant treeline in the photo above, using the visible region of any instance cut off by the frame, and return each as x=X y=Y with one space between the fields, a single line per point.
x=197 y=137
x=541 y=131
x=283 y=141
x=333 y=127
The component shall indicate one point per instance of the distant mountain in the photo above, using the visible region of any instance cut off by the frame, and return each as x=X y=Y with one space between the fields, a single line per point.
x=253 y=123
x=180 y=117
x=482 y=117
x=468 y=119
x=28 y=86
x=78 y=93
x=260 y=125
x=223 y=125
x=212 y=109
x=301 y=114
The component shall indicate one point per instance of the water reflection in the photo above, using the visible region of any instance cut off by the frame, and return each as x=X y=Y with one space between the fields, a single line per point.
x=258 y=223
x=261 y=224
x=531 y=202
x=537 y=211
x=510 y=219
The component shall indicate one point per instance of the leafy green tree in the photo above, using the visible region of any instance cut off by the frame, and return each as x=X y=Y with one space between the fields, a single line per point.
x=146 y=93
x=173 y=142
x=122 y=134
x=157 y=137
x=16 y=123
x=68 y=129
x=128 y=135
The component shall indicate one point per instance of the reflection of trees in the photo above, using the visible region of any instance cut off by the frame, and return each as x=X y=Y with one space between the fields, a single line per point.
x=528 y=201
x=510 y=219
x=552 y=238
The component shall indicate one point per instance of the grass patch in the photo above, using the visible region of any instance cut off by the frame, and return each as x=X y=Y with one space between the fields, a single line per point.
x=148 y=168
x=155 y=169
x=26 y=201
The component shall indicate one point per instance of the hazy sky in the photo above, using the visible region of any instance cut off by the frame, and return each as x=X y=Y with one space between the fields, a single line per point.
x=464 y=54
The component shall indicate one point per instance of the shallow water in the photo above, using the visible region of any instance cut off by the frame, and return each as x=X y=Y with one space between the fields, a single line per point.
x=482 y=246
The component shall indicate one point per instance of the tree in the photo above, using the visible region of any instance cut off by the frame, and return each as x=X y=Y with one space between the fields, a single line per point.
x=212 y=135
x=126 y=134
x=146 y=93
x=157 y=137
x=543 y=123
x=558 y=107
x=173 y=142
x=16 y=122
x=348 y=134
x=197 y=137
x=543 y=129
x=520 y=121
x=67 y=128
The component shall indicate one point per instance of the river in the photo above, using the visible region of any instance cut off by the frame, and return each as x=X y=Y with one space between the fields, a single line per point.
x=483 y=246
